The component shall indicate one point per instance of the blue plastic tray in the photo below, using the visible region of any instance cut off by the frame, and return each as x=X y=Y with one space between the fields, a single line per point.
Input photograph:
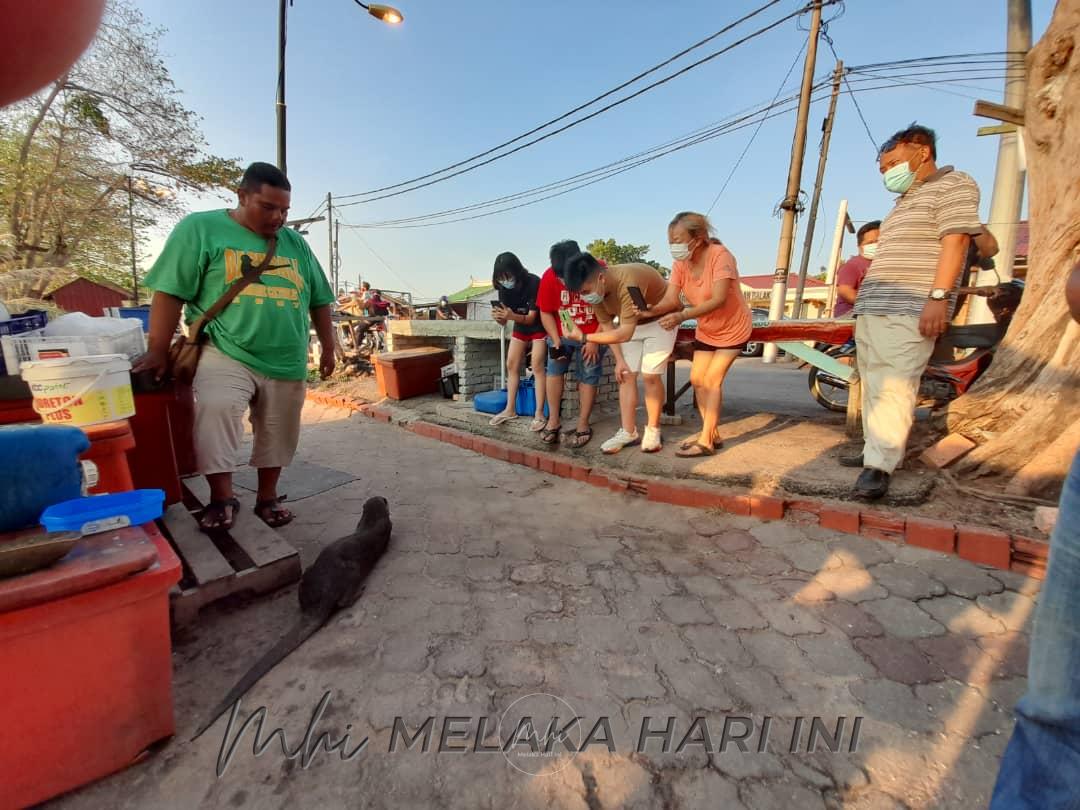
x=103 y=513
x=490 y=401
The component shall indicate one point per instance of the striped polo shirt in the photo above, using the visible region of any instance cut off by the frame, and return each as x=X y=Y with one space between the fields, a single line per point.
x=902 y=273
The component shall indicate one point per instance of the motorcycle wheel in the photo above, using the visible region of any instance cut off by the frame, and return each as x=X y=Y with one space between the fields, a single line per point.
x=830 y=392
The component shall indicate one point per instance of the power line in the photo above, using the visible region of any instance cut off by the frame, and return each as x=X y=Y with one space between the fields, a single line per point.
x=761 y=123
x=576 y=109
x=595 y=113
x=383 y=261
x=855 y=101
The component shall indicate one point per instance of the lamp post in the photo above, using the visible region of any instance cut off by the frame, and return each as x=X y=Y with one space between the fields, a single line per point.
x=388 y=14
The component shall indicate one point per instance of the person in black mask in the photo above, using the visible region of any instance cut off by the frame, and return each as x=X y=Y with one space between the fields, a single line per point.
x=517 y=289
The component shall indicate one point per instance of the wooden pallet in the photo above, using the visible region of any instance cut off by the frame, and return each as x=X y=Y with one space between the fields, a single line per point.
x=250 y=557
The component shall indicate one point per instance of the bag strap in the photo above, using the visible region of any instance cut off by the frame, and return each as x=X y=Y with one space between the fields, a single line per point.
x=235 y=289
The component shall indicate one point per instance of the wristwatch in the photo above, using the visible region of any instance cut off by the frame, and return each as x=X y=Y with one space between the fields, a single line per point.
x=939 y=294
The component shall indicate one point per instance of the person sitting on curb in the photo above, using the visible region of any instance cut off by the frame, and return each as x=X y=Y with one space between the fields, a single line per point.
x=641 y=344
x=552 y=299
x=705 y=274
x=517 y=289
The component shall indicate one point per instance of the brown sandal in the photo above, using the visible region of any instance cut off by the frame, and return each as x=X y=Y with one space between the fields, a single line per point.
x=213 y=517
x=272 y=513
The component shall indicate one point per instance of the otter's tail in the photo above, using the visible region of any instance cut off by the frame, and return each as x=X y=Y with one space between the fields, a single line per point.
x=296 y=636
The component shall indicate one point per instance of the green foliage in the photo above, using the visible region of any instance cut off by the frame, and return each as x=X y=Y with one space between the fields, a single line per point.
x=613 y=253
x=68 y=155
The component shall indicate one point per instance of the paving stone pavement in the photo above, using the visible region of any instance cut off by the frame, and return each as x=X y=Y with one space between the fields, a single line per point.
x=696 y=634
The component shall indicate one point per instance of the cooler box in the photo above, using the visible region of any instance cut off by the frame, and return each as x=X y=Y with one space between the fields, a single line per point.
x=490 y=401
x=87 y=680
x=410 y=372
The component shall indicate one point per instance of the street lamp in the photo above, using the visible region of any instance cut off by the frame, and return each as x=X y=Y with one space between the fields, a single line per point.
x=388 y=14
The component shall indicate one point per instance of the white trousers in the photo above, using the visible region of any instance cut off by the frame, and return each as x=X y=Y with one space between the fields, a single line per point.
x=892 y=356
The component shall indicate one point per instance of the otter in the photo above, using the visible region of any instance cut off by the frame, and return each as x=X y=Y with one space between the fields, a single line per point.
x=333 y=582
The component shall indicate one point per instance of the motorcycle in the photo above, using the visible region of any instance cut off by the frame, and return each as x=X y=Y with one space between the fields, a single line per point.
x=946 y=377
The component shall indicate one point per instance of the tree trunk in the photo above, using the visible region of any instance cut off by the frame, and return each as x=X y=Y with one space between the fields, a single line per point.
x=1031 y=393
x=24 y=155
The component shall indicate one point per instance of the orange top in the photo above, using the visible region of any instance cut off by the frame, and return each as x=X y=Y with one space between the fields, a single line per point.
x=728 y=325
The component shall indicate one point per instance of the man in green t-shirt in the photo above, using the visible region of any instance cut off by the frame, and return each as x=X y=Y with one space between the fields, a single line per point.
x=257 y=353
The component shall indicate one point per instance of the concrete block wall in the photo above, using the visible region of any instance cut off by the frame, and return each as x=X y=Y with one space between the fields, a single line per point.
x=478 y=368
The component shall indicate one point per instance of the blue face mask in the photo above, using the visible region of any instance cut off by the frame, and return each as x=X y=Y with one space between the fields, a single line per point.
x=508 y=283
x=592 y=299
x=899 y=178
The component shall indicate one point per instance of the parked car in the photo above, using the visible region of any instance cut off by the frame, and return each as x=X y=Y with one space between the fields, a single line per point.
x=753 y=348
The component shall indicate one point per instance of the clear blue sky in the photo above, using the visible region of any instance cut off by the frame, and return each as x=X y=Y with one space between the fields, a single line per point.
x=370 y=104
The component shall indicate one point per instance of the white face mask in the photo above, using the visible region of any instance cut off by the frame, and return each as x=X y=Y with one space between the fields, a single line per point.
x=869 y=250
x=679 y=251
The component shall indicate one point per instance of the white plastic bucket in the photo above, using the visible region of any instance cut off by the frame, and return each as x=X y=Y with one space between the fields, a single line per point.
x=81 y=391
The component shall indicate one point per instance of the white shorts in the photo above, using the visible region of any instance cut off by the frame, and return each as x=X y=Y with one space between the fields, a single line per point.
x=649 y=348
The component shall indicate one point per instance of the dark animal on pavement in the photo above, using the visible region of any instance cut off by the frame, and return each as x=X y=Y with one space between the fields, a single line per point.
x=333 y=582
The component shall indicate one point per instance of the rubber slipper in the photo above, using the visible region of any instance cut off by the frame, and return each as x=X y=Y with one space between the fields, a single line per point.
x=579 y=439
x=695 y=451
x=536 y=425
x=502 y=418
x=717 y=442
x=549 y=435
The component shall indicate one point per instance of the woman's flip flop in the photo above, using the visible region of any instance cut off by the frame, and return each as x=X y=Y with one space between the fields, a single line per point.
x=501 y=418
x=695 y=451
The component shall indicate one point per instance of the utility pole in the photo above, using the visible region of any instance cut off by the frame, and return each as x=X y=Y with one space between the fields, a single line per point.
x=791 y=198
x=280 y=105
x=131 y=227
x=823 y=156
x=337 y=253
x=330 y=238
x=1008 y=195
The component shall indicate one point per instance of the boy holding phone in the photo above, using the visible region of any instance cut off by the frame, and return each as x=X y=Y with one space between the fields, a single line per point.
x=640 y=342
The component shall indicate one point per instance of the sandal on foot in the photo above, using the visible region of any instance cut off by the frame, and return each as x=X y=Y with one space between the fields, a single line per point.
x=536 y=425
x=501 y=418
x=549 y=435
x=579 y=439
x=695 y=451
x=272 y=513
x=214 y=518
x=717 y=442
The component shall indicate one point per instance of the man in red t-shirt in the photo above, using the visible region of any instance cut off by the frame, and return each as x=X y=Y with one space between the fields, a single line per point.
x=589 y=359
x=852 y=272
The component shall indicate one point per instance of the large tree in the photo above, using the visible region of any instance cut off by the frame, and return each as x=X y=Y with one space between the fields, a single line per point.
x=613 y=253
x=111 y=127
x=1025 y=413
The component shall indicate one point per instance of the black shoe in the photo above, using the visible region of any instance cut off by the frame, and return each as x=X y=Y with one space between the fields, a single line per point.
x=872 y=484
x=851 y=461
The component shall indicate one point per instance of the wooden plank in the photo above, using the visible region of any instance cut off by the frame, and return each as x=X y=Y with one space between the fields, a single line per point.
x=198 y=551
x=198 y=488
x=853 y=427
x=815 y=357
x=1000 y=129
x=263 y=544
x=999 y=112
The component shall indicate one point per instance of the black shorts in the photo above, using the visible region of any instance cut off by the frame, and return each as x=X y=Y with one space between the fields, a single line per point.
x=699 y=346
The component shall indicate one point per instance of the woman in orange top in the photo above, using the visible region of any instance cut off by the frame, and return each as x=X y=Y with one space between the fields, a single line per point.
x=705 y=273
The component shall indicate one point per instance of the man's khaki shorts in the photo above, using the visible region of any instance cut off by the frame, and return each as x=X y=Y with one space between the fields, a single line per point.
x=224 y=389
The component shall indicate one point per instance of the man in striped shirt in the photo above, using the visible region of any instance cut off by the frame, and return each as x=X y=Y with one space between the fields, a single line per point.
x=903 y=306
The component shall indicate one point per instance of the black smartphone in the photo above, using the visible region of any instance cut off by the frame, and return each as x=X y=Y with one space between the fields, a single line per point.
x=495 y=304
x=558 y=353
x=637 y=297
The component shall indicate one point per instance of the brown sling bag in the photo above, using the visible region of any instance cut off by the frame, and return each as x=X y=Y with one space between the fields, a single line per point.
x=185 y=352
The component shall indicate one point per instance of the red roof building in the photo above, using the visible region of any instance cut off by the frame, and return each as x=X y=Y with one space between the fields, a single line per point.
x=91 y=297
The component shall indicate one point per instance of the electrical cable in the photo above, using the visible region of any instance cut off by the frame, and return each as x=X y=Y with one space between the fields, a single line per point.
x=576 y=109
x=761 y=123
x=591 y=115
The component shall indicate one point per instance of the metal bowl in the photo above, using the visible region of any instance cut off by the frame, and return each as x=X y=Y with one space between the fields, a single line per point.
x=37 y=551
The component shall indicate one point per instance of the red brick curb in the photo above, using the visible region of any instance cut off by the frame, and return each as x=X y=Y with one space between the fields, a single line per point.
x=978 y=544
x=330 y=401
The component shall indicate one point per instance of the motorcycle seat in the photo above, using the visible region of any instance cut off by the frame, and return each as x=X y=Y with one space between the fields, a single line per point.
x=975 y=336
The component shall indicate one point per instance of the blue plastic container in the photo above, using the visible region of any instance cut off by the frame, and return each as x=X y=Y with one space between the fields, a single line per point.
x=142 y=313
x=103 y=513
x=526 y=399
x=490 y=401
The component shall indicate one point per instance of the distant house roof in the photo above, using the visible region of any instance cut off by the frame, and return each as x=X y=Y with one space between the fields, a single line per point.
x=107 y=285
x=1023 y=238
x=475 y=289
x=766 y=282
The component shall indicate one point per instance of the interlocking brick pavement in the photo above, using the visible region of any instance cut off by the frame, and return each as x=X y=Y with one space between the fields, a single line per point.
x=503 y=581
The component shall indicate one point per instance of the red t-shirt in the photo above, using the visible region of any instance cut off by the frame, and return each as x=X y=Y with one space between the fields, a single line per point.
x=554 y=296
x=850 y=274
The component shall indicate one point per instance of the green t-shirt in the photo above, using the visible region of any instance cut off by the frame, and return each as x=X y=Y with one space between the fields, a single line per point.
x=266 y=327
